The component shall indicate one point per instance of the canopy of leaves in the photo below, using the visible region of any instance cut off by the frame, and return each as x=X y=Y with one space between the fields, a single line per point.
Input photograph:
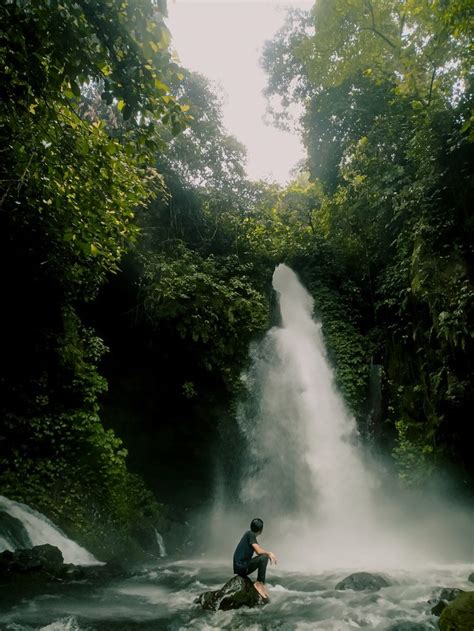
x=70 y=191
x=387 y=112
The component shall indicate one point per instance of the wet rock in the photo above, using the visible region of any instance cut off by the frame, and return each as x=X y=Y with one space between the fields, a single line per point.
x=44 y=564
x=446 y=595
x=363 y=581
x=25 y=574
x=459 y=614
x=437 y=610
x=45 y=559
x=70 y=572
x=112 y=569
x=236 y=593
x=450 y=593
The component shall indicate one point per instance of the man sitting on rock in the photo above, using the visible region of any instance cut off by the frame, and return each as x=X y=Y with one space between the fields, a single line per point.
x=244 y=564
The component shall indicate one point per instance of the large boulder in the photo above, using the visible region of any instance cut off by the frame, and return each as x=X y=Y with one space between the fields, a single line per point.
x=446 y=595
x=39 y=559
x=43 y=564
x=363 y=581
x=236 y=593
x=438 y=609
x=459 y=614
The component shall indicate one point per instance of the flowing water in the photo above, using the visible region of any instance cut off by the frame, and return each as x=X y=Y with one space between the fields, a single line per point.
x=161 y=598
x=160 y=543
x=328 y=511
x=39 y=529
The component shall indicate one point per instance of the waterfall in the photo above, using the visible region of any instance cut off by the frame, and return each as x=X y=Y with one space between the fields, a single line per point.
x=161 y=543
x=38 y=530
x=303 y=440
x=304 y=471
x=303 y=457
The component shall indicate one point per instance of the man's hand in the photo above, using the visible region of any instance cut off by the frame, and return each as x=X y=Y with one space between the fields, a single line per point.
x=272 y=558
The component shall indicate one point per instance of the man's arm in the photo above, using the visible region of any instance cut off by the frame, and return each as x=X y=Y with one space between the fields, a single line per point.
x=259 y=550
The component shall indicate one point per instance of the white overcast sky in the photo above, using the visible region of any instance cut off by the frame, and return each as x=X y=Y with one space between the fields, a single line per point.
x=223 y=39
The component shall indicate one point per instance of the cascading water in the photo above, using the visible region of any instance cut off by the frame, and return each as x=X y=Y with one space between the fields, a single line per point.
x=38 y=529
x=304 y=470
x=303 y=440
x=160 y=542
x=303 y=456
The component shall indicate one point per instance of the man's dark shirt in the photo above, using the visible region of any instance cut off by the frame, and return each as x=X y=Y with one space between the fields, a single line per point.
x=244 y=551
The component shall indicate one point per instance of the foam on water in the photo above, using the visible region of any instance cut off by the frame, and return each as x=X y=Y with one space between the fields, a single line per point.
x=298 y=601
x=65 y=624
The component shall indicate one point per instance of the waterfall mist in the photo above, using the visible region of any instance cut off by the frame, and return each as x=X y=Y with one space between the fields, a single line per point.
x=304 y=472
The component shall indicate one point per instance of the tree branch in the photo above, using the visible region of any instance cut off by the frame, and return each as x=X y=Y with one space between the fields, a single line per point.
x=374 y=28
x=430 y=93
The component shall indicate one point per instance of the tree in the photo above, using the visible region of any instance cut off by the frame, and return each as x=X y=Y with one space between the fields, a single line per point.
x=69 y=196
x=387 y=113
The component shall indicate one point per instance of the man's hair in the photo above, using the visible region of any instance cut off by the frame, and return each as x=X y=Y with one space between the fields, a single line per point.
x=256 y=525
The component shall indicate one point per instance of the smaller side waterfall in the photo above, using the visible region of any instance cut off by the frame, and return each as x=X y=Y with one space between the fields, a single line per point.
x=161 y=544
x=33 y=529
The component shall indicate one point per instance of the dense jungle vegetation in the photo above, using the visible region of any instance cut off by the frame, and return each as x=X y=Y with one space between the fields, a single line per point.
x=138 y=256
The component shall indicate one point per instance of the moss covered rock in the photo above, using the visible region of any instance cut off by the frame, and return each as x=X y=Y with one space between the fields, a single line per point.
x=459 y=615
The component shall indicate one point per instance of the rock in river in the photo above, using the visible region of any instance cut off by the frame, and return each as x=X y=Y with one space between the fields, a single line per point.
x=43 y=564
x=446 y=595
x=458 y=615
x=236 y=593
x=45 y=559
x=363 y=581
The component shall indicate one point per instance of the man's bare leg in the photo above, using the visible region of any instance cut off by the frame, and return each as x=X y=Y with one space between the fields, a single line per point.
x=261 y=589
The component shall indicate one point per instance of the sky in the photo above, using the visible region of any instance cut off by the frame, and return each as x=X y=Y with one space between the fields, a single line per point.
x=223 y=39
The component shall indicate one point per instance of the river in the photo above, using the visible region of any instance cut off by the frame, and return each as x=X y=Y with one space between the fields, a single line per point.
x=161 y=598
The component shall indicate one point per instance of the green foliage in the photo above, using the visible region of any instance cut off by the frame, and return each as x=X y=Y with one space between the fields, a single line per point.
x=387 y=117
x=411 y=455
x=64 y=462
x=76 y=190
x=210 y=302
x=70 y=191
x=49 y=49
x=93 y=167
x=204 y=155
